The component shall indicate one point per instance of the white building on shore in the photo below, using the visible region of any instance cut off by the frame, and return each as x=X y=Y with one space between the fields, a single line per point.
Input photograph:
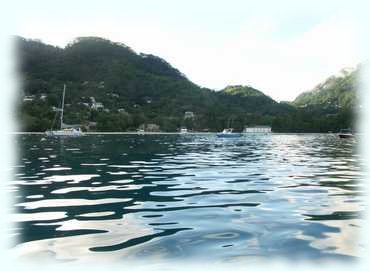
x=258 y=129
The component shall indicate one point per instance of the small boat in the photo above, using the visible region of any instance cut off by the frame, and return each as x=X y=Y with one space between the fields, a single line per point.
x=345 y=133
x=65 y=130
x=228 y=133
x=70 y=132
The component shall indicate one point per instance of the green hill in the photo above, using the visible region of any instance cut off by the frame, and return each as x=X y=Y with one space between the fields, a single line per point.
x=334 y=93
x=110 y=87
x=243 y=91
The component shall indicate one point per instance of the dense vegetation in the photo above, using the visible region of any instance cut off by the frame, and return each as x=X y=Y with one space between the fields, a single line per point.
x=133 y=90
x=336 y=92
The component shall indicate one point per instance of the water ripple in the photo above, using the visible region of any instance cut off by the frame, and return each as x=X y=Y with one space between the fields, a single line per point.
x=194 y=196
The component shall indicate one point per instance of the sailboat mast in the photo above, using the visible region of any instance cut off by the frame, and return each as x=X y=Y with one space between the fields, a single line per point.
x=229 y=123
x=61 y=115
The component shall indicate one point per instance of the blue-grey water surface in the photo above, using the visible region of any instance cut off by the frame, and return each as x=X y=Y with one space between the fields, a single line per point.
x=121 y=197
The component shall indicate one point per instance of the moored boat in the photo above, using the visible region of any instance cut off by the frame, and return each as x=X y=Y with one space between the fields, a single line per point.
x=345 y=133
x=65 y=130
x=228 y=133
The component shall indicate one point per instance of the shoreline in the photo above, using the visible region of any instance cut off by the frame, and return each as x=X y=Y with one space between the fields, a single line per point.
x=170 y=133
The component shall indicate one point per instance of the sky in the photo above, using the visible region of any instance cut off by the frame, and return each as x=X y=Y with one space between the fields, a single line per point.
x=282 y=48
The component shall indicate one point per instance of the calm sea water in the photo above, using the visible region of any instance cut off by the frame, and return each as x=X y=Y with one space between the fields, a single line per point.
x=120 y=197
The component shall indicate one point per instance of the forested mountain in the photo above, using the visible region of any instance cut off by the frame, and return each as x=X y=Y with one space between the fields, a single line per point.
x=110 y=87
x=335 y=92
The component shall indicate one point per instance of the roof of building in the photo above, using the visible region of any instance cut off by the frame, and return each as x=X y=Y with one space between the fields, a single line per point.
x=258 y=126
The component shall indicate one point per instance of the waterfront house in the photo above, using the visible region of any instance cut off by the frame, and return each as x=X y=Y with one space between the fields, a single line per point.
x=91 y=125
x=258 y=129
x=150 y=127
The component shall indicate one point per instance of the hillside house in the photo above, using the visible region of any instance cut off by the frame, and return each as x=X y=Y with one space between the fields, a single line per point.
x=189 y=115
x=95 y=105
x=28 y=98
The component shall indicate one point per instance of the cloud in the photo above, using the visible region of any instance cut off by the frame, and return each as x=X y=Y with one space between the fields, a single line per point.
x=258 y=55
x=283 y=68
x=271 y=53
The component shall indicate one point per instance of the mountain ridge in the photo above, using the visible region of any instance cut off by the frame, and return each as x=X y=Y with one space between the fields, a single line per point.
x=337 y=91
x=134 y=89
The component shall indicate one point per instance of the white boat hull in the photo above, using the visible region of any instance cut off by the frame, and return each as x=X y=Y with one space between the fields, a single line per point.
x=345 y=135
x=64 y=133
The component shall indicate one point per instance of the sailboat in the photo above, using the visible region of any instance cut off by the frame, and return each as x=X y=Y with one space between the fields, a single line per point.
x=228 y=133
x=65 y=129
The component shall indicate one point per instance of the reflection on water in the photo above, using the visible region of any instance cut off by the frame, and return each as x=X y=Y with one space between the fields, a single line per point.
x=130 y=197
